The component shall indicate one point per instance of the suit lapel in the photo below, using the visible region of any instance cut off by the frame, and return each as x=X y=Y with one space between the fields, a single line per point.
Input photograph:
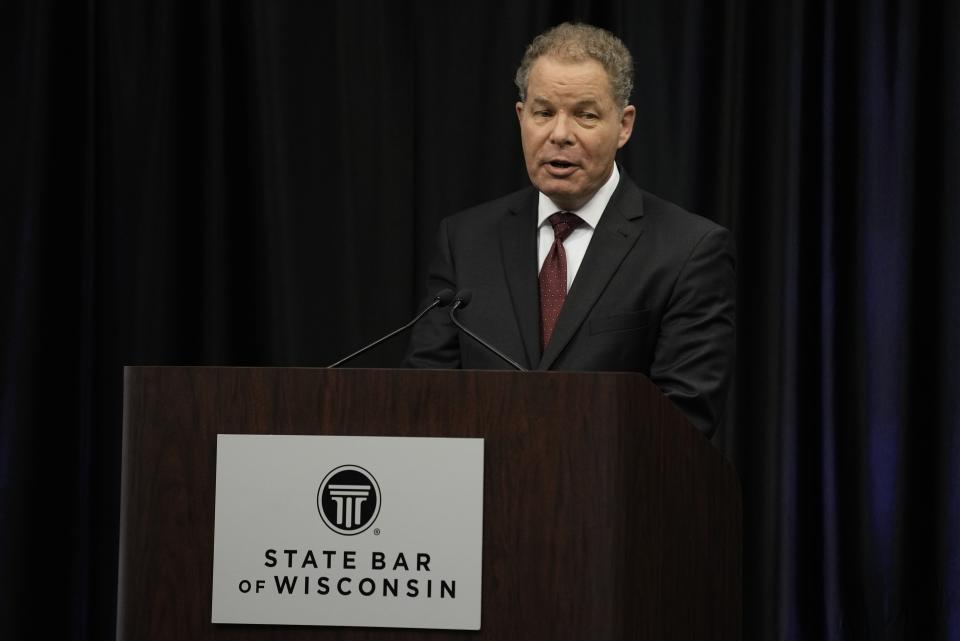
x=518 y=243
x=615 y=235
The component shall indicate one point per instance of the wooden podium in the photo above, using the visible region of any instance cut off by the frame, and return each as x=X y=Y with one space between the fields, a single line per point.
x=606 y=515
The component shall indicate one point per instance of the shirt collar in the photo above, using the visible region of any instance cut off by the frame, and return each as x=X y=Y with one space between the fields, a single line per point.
x=590 y=213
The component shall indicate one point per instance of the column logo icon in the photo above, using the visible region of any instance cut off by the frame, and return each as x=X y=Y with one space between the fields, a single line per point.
x=348 y=499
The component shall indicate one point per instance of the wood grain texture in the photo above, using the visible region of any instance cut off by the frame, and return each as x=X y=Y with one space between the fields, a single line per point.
x=606 y=515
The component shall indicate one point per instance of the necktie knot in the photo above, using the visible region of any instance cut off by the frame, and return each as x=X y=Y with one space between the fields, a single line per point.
x=564 y=223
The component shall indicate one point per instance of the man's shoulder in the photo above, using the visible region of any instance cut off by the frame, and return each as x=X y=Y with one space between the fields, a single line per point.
x=661 y=211
x=653 y=211
x=522 y=201
x=674 y=234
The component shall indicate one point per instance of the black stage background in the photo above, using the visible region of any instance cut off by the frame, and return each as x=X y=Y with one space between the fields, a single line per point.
x=252 y=183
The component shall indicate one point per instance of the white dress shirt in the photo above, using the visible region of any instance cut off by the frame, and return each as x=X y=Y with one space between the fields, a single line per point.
x=575 y=246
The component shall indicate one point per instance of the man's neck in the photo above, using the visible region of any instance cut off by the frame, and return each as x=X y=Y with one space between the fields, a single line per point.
x=591 y=210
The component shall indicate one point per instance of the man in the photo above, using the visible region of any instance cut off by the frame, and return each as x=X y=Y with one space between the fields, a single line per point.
x=583 y=270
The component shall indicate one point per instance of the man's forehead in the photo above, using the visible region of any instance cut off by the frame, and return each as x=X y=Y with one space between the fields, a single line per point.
x=587 y=78
x=581 y=101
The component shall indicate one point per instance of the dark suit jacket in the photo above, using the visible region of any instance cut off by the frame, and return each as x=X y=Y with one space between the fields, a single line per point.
x=654 y=294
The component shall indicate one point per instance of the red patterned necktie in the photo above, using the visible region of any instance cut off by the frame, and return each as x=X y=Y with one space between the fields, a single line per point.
x=553 y=275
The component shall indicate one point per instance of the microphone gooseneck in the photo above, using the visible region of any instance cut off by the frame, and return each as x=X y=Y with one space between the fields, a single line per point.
x=461 y=300
x=442 y=299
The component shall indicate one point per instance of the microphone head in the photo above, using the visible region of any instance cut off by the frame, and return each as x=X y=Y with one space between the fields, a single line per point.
x=444 y=297
x=463 y=297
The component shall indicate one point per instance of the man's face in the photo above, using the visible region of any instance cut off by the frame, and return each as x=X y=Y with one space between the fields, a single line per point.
x=571 y=129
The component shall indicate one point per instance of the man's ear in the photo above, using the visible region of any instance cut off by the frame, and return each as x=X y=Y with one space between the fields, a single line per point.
x=626 y=124
x=519 y=111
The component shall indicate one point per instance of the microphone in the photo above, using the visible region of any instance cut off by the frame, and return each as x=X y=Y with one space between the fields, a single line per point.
x=442 y=299
x=461 y=300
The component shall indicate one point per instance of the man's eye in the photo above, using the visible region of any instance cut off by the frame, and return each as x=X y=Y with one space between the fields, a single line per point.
x=589 y=116
x=543 y=113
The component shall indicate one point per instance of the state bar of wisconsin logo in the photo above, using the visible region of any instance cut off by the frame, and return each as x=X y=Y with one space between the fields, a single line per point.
x=348 y=499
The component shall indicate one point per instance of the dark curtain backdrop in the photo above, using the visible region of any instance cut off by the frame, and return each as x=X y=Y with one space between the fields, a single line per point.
x=259 y=183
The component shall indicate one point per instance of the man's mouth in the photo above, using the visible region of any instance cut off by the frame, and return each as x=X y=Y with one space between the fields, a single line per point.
x=560 y=168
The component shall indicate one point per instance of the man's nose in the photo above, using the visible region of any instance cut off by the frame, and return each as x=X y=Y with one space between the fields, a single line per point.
x=561 y=134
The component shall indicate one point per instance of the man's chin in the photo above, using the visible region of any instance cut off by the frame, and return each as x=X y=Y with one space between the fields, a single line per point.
x=563 y=193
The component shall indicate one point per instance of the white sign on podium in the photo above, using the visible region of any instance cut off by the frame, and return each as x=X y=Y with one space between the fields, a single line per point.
x=348 y=531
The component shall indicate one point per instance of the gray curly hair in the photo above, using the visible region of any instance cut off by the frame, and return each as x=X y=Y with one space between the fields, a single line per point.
x=576 y=42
